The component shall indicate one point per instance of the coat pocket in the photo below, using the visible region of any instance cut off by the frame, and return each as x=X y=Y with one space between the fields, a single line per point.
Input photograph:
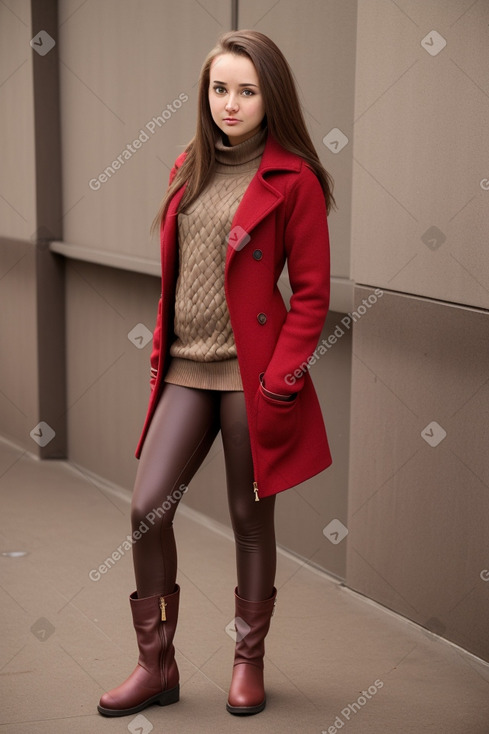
x=277 y=421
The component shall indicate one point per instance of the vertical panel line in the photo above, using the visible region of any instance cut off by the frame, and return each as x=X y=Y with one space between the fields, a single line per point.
x=50 y=298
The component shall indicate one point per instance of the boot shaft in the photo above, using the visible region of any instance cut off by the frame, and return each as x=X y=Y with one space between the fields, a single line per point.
x=155 y=621
x=252 y=622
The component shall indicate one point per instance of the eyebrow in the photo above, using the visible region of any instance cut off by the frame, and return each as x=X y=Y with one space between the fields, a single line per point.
x=216 y=81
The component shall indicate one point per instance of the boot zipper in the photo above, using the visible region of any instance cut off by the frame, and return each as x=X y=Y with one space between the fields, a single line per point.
x=163 y=630
x=255 y=490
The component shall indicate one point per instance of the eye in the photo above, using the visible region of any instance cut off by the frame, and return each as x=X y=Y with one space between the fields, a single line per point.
x=219 y=90
x=248 y=92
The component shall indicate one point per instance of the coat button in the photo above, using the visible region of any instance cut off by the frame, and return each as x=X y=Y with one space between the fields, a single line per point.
x=262 y=318
x=257 y=254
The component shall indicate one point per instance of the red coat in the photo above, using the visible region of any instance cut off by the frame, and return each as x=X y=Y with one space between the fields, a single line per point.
x=282 y=216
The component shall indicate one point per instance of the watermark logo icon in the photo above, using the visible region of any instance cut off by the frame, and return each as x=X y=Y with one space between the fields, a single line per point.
x=42 y=629
x=335 y=531
x=238 y=238
x=140 y=725
x=335 y=140
x=433 y=434
x=433 y=43
x=433 y=238
x=237 y=629
x=140 y=335
x=42 y=43
x=42 y=434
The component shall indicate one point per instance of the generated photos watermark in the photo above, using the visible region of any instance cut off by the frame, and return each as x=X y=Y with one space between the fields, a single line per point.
x=140 y=725
x=326 y=344
x=171 y=499
x=335 y=531
x=42 y=629
x=42 y=434
x=42 y=43
x=433 y=43
x=433 y=434
x=238 y=238
x=237 y=629
x=127 y=153
x=335 y=140
x=352 y=709
x=140 y=335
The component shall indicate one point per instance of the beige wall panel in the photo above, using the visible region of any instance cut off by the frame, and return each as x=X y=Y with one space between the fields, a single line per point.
x=107 y=373
x=17 y=203
x=318 y=39
x=18 y=339
x=420 y=185
x=418 y=502
x=121 y=63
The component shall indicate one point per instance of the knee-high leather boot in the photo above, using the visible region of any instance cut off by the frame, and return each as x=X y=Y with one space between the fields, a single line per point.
x=247 y=691
x=155 y=678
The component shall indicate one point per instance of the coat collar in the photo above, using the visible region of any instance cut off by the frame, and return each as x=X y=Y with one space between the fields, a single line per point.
x=277 y=158
x=261 y=196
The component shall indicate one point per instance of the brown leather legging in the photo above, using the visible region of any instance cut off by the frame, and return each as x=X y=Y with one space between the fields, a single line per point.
x=184 y=426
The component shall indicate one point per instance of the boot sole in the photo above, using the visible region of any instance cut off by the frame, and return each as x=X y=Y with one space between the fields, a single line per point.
x=162 y=699
x=245 y=710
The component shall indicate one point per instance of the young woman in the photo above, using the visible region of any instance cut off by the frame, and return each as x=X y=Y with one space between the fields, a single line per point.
x=248 y=195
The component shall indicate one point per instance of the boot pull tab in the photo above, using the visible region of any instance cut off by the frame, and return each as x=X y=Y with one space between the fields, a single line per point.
x=163 y=608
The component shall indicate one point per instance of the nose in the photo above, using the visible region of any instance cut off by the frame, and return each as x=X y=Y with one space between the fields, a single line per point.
x=232 y=103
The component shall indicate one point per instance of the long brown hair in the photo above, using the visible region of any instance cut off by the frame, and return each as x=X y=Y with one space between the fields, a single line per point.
x=283 y=115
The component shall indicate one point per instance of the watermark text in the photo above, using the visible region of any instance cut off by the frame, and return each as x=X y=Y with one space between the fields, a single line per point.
x=326 y=344
x=352 y=709
x=131 y=148
x=156 y=513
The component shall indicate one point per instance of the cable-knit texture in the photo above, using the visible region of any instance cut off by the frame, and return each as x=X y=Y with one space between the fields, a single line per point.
x=204 y=352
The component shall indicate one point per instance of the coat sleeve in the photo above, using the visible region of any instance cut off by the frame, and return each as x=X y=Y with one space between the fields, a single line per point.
x=155 y=352
x=308 y=261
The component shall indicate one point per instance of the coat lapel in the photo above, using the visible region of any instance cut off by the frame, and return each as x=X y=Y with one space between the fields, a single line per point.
x=261 y=197
x=259 y=200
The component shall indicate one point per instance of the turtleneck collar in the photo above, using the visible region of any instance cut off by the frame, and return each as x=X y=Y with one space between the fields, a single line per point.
x=235 y=155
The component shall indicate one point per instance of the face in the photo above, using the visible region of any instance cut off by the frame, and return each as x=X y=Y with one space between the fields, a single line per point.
x=235 y=98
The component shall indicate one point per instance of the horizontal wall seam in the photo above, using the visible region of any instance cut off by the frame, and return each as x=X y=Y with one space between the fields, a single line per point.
x=341 y=288
x=427 y=299
x=108 y=259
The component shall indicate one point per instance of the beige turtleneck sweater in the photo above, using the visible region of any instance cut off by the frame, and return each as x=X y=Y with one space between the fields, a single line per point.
x=204 y=352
